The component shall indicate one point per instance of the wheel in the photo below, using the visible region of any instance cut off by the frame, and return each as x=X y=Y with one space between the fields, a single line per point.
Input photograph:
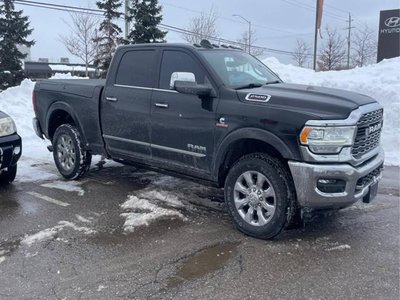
x=259 y=195
x=8 y=176
x=71 y=159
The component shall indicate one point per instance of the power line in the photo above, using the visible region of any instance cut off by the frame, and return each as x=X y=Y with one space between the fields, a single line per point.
x=312 y=9
x=98 y=12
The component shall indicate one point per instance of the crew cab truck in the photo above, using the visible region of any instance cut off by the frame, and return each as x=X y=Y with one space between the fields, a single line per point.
x=219 y=115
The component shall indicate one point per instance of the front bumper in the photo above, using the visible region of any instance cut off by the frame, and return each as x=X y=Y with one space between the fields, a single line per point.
x=358 y=181
x=10 y=150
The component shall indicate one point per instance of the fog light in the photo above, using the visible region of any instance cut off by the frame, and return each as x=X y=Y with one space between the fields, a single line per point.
x=331 y=185
x=17 y=150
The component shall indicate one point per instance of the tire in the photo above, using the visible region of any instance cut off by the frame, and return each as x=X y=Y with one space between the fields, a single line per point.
x=6 y=177
x=71 y=159
x=259 y=195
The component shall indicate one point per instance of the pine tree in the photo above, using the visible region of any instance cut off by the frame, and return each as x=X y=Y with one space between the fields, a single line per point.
x=109 y=34
x=14 y=30
x=147 y=16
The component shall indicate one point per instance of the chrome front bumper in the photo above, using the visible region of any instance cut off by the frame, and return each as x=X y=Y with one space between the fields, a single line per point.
x=306 y=176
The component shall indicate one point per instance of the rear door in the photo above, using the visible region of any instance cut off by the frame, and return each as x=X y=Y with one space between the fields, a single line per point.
x=125 y=106
x=182 y=125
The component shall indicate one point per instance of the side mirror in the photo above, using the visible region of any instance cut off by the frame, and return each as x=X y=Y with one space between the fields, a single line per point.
x=192 y=88
x=182 y=76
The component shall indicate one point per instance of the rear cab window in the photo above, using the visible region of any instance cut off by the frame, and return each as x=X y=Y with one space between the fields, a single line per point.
x=136 y=68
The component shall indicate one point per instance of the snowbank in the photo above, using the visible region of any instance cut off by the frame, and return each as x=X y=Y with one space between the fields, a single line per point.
x=380 y=81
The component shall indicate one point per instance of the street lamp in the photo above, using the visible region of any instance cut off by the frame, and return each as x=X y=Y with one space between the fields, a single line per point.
x=248 y=22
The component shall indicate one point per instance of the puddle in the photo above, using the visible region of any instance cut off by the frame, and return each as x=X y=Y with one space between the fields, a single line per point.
x=202 y=263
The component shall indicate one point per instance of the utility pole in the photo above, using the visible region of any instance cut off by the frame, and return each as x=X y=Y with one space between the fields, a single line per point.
x=316 y=36
x=248 y=22
x=349 y=40
x=126 y=18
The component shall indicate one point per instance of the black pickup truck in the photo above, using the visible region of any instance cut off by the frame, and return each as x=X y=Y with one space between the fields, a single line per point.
x=219 y=115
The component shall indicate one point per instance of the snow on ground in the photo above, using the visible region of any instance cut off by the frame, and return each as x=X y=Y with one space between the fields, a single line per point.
x=50 y=233
x=380 y=81
x=139 y=211
x=68 y=186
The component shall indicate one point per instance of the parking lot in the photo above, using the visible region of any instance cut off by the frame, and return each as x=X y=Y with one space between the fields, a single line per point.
x=127 y=233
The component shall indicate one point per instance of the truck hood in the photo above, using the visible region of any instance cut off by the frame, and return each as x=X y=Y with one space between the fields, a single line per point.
x=319 y=102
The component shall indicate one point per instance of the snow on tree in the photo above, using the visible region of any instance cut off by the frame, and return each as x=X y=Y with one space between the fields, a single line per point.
x=14 y=31
x=146 y=15
x=109 y=34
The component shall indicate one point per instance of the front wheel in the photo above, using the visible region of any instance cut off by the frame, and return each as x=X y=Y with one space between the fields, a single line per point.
x=71 y=159
x=258 y=195
x=8 y=175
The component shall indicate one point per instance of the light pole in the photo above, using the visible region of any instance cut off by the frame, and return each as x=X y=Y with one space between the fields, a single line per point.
x=248 y=22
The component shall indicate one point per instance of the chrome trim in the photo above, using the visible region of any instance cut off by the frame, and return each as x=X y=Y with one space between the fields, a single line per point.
x=119 y=139
x=352 y=119
x=252 y=100
x=178 y=150
x=305 y=176
x=162 y=105
x=343 y=156
x=144 y=88
x=113 y=99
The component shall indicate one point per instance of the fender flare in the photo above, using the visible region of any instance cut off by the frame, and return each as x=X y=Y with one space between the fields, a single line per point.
x=250 y=133
x=68 y=109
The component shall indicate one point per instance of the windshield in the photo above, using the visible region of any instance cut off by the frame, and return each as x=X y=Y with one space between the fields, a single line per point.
x=239 y=69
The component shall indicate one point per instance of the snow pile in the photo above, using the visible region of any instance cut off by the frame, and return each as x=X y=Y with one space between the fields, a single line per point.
x=380 y=81
x=17 y=102
x=141 y=212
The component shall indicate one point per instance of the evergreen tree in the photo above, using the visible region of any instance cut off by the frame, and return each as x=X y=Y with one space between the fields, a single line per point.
x=147 y=16
x=14 y=30
x=109 y=34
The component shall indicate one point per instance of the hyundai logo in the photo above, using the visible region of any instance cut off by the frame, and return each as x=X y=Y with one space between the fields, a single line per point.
x=392 y=22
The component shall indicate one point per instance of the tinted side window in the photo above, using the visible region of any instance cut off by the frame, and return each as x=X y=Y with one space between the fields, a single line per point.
x=137 y=68
x=177 y=61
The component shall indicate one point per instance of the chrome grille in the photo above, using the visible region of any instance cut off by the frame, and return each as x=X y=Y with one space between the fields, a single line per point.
x=365 y=142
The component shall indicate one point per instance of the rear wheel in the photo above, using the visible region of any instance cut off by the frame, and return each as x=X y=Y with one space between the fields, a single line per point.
x=259 y=196
x=71 y=159
x=8 y=176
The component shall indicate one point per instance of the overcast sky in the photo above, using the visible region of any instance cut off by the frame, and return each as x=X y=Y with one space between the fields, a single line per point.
x=278 y=23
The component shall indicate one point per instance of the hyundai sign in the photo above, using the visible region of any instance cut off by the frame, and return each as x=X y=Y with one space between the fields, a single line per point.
x=389 y=34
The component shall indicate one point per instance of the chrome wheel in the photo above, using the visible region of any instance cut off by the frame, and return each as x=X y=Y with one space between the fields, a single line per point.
x=66 y=152
x=254 y=198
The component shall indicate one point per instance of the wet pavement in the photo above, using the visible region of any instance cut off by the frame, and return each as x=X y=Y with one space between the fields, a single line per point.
x=63 y=240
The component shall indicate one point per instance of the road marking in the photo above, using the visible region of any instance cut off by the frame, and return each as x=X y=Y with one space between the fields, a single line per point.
x=48 y=199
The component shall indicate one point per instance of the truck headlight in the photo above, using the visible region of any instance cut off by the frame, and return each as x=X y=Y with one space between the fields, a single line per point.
x=327 y=140
x=7 y=126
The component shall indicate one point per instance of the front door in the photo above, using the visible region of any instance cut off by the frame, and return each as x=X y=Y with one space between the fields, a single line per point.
x=182 y=125
x=125 y=109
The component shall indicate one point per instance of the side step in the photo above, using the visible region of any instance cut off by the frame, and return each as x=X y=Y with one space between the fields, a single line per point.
x=50 y=148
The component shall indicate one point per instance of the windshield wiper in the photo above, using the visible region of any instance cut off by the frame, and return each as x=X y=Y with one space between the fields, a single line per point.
x=249 y=86
x=274 y=81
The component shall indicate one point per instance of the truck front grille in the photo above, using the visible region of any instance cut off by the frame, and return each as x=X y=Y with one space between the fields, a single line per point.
x=369 y=178
x=365 y=141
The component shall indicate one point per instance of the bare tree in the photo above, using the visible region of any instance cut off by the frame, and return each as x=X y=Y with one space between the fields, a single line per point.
x=202 y=27
x=81 y=42
x=301 y=53
x=333 y=53
x=243 y=42
x=364 y=46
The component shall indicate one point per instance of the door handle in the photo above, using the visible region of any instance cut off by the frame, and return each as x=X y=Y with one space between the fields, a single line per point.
x=113 y=99
x=161 y=105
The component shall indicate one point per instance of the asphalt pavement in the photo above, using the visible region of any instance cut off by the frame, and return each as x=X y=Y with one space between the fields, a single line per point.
x=63 y=240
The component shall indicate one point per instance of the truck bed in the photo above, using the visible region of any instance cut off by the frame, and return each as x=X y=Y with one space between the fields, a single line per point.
x=81 y=87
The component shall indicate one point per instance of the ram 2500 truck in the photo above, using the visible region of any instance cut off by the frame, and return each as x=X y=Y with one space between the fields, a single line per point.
x=219 y=115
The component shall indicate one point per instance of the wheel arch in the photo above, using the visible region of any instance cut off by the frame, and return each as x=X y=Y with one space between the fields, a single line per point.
x=245 y=141
x=61 y=113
